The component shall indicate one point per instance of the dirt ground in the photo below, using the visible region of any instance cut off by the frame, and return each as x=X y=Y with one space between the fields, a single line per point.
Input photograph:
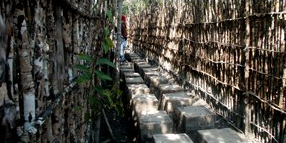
x=122 y=129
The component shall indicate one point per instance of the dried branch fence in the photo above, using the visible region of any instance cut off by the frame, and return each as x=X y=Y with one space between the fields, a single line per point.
x=44 y=39
x=231 y=53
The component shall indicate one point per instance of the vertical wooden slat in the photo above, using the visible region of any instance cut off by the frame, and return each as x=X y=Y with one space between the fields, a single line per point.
x=246 y=63
x=282 y=35
x=255 y=38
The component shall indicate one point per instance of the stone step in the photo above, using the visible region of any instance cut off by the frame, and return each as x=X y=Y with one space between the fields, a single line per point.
x=155 y=81
x=144 y=102
x=154 y=122
x=126 y=70
x=132 y=90
x=171 y=138
x=130 y=74
x=167 y=88
x=168 y=76
x=135 y=89
x=135 y=60
x=147 y=74
x=134 y=80
x=139 y=65
x=192 y=118
x=123 y=72
x=131 y=54
x=170 y=101
x=132 y=58
x=126 y=65
x=145 y=70
x=170 y=88
x=197 y=101
x=224 y=135
x=184 y=113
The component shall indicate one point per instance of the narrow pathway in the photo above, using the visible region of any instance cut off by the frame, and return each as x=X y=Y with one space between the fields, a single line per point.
x=163 y=112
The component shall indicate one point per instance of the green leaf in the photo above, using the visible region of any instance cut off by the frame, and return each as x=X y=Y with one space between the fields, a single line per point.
x=109 y=42
x=109 y=15
x=93 y=100
x=85 y=77
x=105 y=47
x=119 y=92
x=107 y=31
x=98 y=89
x=84 y=57
x=108 y=94
x=103 y=76
x=78 y=108
x=81 y=67
x=102 y=61
x=86 y=116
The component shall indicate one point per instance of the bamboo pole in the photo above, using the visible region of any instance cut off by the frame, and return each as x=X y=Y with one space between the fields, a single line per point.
x=118 y=44
x=246 y=75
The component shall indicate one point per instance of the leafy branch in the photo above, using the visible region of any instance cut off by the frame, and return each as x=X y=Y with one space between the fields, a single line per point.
x=92 y=74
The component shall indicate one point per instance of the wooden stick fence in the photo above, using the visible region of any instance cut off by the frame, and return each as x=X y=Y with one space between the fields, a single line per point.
x=232 y=53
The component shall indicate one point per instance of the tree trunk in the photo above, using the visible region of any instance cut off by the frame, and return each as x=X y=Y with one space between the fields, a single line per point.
x=47 y=132
x=3 y=64
x=27 y=82
x=95 y=130
x=118 y=44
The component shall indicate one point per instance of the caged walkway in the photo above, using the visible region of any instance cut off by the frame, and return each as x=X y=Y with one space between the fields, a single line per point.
x=163 y=112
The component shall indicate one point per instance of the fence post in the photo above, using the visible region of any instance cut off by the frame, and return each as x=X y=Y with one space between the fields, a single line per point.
x=246 y=99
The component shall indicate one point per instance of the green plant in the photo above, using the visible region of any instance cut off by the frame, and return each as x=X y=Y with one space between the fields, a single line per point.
x=92 y=75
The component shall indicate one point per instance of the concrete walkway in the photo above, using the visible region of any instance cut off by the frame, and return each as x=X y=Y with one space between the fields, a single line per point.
x=163 y=112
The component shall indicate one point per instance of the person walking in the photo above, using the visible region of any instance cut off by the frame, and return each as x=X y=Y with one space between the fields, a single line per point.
x=123 y=37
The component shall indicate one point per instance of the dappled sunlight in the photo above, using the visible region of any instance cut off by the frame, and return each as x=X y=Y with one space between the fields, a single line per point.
x=226 y=53
x=224 y=135
x=172 y=138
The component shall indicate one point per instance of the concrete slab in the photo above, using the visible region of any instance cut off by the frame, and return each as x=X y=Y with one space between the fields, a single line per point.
x=224 y=135
x=127 y=70
x=135 y=60
x=170 y=88
x=144 y=102
x=171 y=138
x=136 y=89
x=154 y=122
x=139 y=66
x=132 y=90
x=197 y=101
x=129 y=55
x=154 y=81
x=157 y=80
x=151 y=73
x=170 y=101
x=124 y=72
x=144 y=70
x=132 y=55
x=151 y=69
x=126 y=65
x=139 y=61
x=130 y=74
x=167 y=75
x=167 y=88
x=134 y=80
x=192 y=118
